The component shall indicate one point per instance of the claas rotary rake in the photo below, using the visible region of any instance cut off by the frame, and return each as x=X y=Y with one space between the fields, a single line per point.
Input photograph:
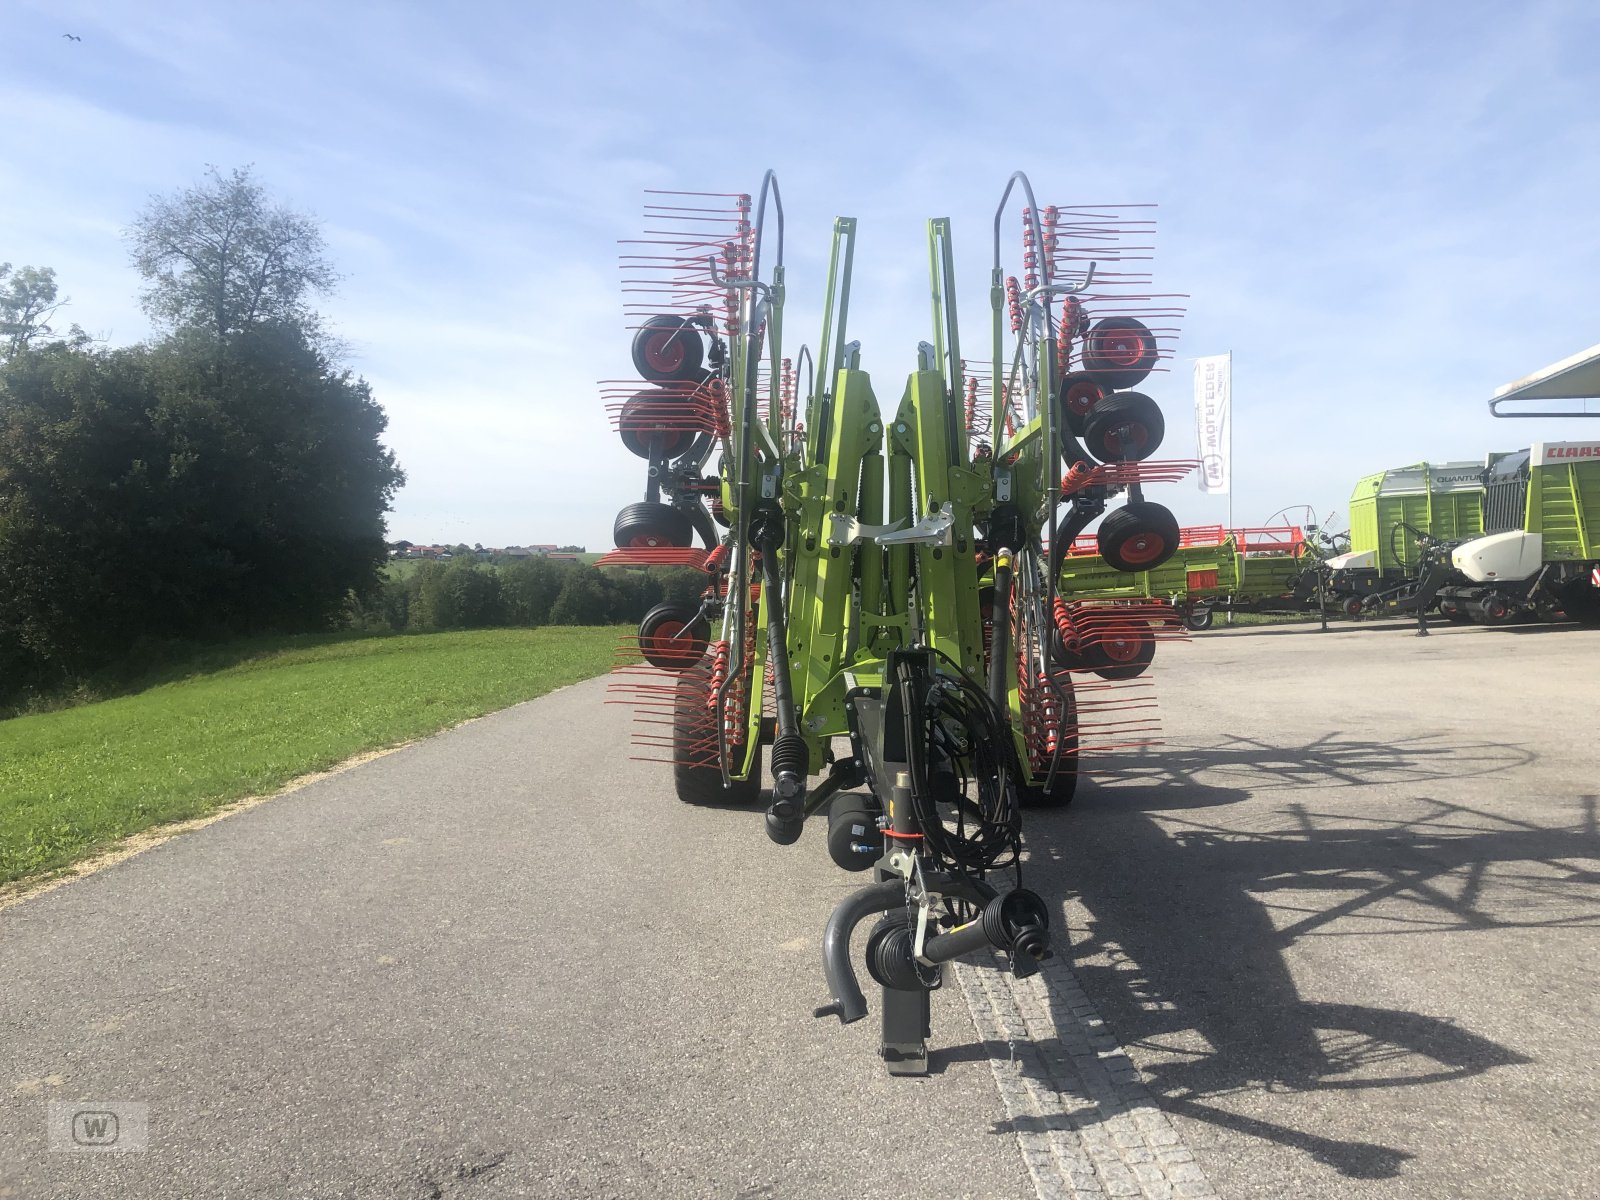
x=881 y=620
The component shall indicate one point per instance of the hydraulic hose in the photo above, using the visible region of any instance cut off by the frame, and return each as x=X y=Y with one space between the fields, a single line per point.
x=848 y=1002
x=1000 y=640
x=791 y=757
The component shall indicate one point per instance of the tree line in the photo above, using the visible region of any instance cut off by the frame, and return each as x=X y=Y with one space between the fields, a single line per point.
x=225 y=478
x=467 y=593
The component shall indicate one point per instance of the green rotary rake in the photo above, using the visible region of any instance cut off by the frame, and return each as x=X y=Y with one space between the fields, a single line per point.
x=881 y=620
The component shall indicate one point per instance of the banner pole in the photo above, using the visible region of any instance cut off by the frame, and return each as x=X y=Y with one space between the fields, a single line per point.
x=1231 y=467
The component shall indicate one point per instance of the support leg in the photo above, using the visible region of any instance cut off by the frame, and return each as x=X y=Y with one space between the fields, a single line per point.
x=906 y=1029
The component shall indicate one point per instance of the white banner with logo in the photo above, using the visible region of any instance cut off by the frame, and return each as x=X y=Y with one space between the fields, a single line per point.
x=1546 y=454
x=1213 y=385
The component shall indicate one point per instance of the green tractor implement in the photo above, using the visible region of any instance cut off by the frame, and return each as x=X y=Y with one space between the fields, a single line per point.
x=882 y=646
x=1260 y=569
x=1517 y=534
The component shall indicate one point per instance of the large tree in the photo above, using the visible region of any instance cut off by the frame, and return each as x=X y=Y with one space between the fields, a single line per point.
x=27 y=302
x=222 y=256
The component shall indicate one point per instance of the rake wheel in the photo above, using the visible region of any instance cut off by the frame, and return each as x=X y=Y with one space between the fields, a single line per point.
x=1139 y=536
x=652 y=526
x=1120 y=351
x=1125 y=427
x=668 y=349
x=673 y=637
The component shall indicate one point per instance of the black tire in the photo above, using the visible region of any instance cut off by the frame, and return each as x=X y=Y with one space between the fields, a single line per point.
x=1493 y=610
x=1124 y=654
x=655 y=426
x=1063 y=655
x=1125 y=427
x=1065 y=786
x=646 y=525
x=1138 y=536
x=1075 y=399
x=674 y=637
x=1120 y=351
x=668 y=350
x=695 y=775
x=1198 y=618
x=1352 y=606
x=1452 y=611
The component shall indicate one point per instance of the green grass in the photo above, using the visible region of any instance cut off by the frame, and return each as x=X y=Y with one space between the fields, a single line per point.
x=74 y=781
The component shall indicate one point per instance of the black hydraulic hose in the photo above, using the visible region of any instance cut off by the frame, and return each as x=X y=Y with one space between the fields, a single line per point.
x=777 y=638
x=791 y=757
x=1000 y=639
x=848 y=1002
x=1075 y=522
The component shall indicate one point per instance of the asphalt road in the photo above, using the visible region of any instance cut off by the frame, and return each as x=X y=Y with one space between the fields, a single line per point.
x=1345 y=920
x=1344 y=924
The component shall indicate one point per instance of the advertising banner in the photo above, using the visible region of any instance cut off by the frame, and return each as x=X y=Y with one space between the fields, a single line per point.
x=1213 y=387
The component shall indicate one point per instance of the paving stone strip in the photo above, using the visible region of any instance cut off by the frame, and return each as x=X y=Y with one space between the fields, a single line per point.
x=1084 y=1121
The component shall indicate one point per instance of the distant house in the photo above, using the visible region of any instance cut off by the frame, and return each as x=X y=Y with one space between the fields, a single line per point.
x=517 y=552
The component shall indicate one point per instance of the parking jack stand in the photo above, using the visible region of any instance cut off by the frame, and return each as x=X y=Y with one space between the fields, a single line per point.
x=906 y=1028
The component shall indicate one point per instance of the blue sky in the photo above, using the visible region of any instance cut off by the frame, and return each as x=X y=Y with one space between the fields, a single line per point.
x=1383 y=210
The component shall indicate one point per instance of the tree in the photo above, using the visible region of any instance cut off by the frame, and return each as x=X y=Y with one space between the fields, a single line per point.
x=222 y=257
x=529 y=588
x=194 y=489
x=587 y=598
x=27 y=302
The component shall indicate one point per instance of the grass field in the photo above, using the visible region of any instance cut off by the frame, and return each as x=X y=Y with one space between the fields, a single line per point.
x=74 y=781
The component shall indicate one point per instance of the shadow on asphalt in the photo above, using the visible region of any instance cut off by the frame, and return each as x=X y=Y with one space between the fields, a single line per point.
x=1189 y=920
x=1384 y=625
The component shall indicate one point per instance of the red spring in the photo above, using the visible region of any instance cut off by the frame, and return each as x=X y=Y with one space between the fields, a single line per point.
x=719 y=672
x=733 y=714
x=1029 y=261
x=1063 y=619
x=1072 y=323
x=1049 y=714
x=1078 y=477
x=717 y=561
x=787 y=391
x=1041 y=716
x=1014 y=302
x=972 y=403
